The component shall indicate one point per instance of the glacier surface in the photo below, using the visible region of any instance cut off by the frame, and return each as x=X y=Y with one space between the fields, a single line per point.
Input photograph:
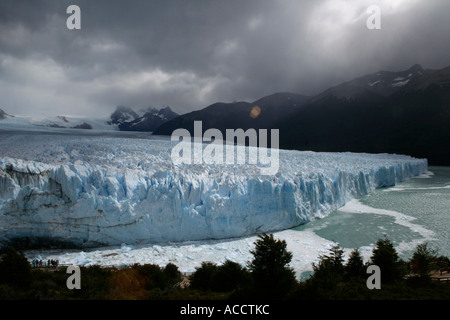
x=90 y=191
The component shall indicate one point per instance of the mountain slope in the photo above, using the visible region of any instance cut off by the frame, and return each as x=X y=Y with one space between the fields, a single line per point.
x=123 y=114
x=260 y=114
x=405 y=112
x=394 y=112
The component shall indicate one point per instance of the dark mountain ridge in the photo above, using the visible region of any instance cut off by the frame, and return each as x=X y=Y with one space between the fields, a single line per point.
x=260 y=114
x=404 y=112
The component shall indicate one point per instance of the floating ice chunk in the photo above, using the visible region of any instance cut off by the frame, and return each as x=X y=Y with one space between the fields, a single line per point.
x=125 y=248
x=356 y=206
x=82 y=259
x=158 y=249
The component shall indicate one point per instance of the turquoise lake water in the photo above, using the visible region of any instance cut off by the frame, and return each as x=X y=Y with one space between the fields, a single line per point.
x=412 y=212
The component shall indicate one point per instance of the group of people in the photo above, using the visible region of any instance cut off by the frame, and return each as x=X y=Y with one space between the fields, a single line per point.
x=50 y=263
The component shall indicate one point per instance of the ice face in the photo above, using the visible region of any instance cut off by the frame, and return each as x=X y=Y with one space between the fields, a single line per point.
x=94 y=191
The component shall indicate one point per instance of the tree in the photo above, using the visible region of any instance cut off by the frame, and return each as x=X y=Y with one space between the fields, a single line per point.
x=153 y=275
x=386 y=257
x=330 y=267
x=230 y=276
x=422 y=260
x=15 y=269
x=269 y=268
x=355 y=265
x=203 y=276
x=443 y=262
x=172 y=274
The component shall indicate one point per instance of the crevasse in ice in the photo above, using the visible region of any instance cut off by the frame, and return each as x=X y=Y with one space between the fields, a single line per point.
x=107 y=191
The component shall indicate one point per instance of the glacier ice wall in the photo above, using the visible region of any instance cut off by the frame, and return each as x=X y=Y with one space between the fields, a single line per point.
x=100 y=191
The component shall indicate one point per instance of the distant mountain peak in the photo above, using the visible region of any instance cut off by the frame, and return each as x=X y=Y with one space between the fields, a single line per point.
x=416 y=68
x=147 y=119
x=3 y=114
x=123 y=114
x=167 y=108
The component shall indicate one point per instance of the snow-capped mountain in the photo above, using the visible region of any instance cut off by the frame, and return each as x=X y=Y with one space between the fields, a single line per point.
x=383 y=83
x=10 y=122
x=123 y=119
x=126 y=119
x=62 y=122
x=122 y=115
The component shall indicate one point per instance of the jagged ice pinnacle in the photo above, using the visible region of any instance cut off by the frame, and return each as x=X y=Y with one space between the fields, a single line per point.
x=96 y=191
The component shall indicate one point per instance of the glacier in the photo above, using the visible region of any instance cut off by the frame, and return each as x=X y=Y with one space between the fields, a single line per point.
x=98 y=190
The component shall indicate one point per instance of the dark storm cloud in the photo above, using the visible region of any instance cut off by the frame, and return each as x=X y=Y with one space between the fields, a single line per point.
x=191 y=53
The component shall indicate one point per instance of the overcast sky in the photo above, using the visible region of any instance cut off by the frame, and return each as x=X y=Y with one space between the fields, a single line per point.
x=189 y=54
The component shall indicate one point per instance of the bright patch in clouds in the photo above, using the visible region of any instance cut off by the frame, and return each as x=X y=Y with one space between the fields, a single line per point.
x=188 y=55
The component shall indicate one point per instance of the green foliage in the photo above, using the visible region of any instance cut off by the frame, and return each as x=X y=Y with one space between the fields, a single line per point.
x=15 y=270
x=152 y=276
x=443 y=262
x=330 y=267
x=423 y=260
x=267 y=276
x=386 y=257
x=330 y=281
x=224 y=278
x=94 y=283
x=203 y=276
x=355 y=267
x=272 y=276
x=171 y=274
x=230 y=276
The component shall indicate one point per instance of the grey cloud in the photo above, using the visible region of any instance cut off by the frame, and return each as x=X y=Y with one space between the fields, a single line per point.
x=191 y=53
